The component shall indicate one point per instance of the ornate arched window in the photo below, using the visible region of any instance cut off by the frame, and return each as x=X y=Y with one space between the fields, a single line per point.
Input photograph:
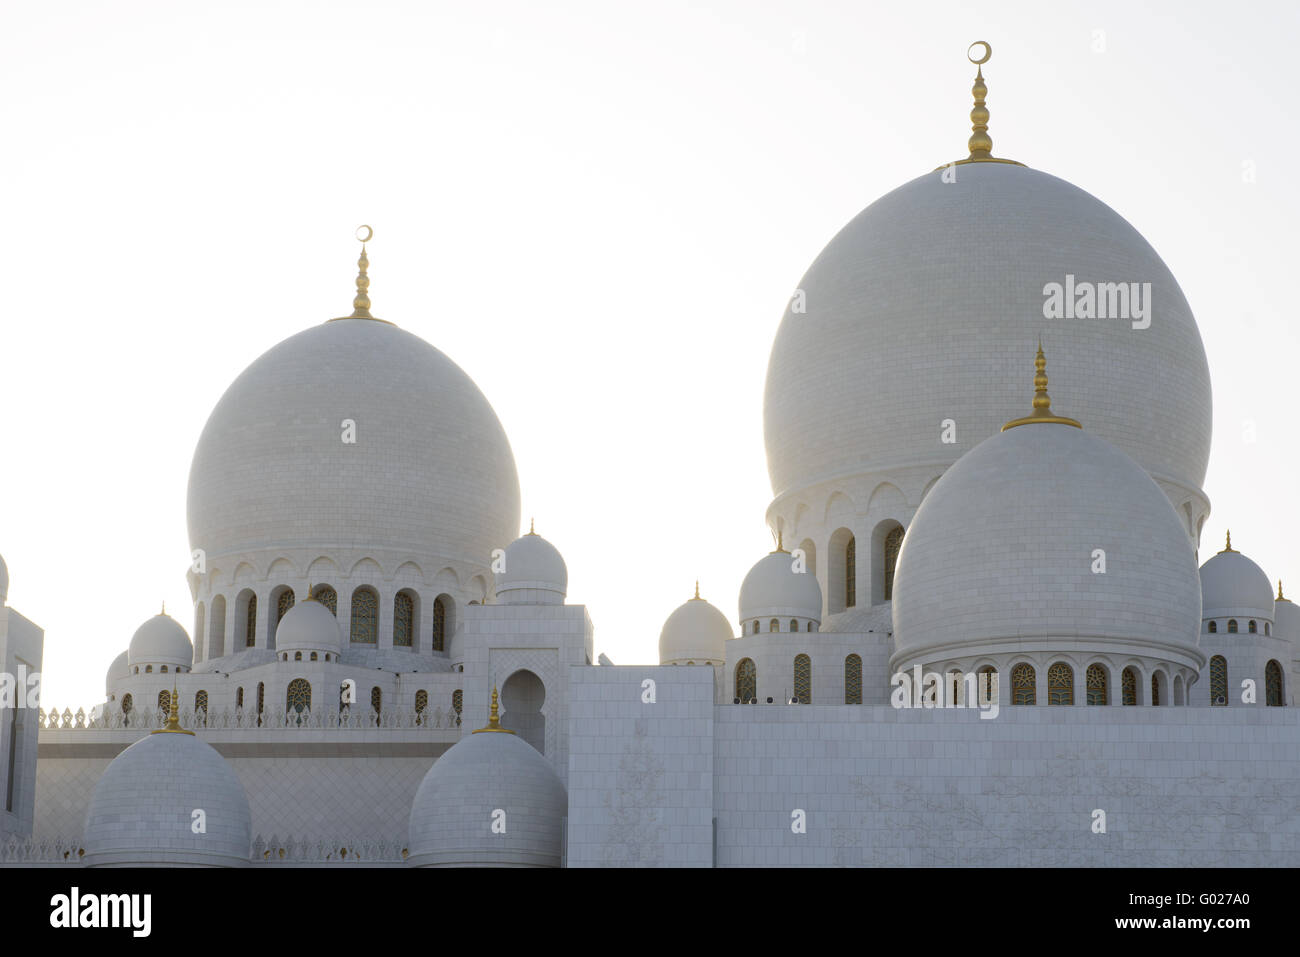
x=328 y=597
x=809 y=628
x=127 y=703
x=988 y=685
x=283 y=604
x=746 y=680
x=1219 y=681
x=250 y=623
x=1060 y=684
x=457 y=702
x=1098 y=691
x=1155 y=687
x=1252 y=627
x=1214 y=627
x=313 y=656
x=803 y=679
x=200 y=702
x=164 y=669
x=851 y=573
x=403 y=620
x=1128 y=687
x=1273 y=684
x=164 y=701
x=853 y=679
x=148 y=669
x=794 y=625
x=297 y=698
x=1023 y=679
x=1232 y=626
x=239 y=698
x=757 y=628
x=261 y=701
x=365 y=616
x=439 y=625
x=893 y=542
x=421 y=704
x=376 y=700
x=297 y=656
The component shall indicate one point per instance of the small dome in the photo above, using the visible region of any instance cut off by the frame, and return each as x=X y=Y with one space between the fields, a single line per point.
x=696 y=632
x=308 y=626
x=142 y=808
x=4 y=581
x=535 y=573
x=119 y=670
x=773 y=588
x=161 y=641
x=1232 y=586
x=484 y=775
x=1286 y=619
x=1004 y=548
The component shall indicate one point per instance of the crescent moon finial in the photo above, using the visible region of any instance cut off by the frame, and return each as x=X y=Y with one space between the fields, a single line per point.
x=988 y=52
x=365 y=234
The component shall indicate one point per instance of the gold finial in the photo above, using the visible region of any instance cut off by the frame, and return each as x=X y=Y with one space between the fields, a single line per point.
x=980 y=143
x=780 y=543
x=1228 y=547
x=530 y=527
x=494 y=720
x=173 y=725
x=164 y=609
x=697 y=590
x=361 y=304
x=1042 y=401
x=309 y=594
x=1279 y=591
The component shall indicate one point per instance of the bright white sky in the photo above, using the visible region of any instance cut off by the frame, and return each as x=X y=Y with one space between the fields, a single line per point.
x=598 y=210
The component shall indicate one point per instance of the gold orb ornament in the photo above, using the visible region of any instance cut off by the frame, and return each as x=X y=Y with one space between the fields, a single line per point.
x=988 y=52
x=365 y=234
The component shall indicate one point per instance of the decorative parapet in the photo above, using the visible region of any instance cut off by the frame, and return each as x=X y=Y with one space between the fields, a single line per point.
x=242 y=718
x=322 y=852
x=31 y=851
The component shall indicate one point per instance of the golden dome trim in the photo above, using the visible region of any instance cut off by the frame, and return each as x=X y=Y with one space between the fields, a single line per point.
x=1042 y=413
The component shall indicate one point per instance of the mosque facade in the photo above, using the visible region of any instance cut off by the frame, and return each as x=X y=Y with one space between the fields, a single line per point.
x=986 y=636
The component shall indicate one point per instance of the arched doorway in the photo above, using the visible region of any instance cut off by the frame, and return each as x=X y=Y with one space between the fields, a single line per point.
x=522 y=697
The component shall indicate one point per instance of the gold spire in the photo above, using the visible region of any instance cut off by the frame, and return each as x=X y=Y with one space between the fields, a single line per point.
x=164 y=609
x=980 y=143
x=173 y=725
x=361 y=304
x=494 y=720
x=309 y=594
x=697 y=591
x=1042 y=401
x=1228 y=547
x=1279 y=591
x=530 y=527
x=780 y=543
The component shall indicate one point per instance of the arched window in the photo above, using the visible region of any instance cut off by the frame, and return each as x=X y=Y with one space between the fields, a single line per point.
x=1023 y=690
x=250 y=623
x=1273 y=684
x=1128 y=687
x=376 y=700
x=313 y=656
x=851 y=573
x=148 y=669
x=893 y=542
x=365 y=616
x=403 y=620
x=421 y=704
x=239 y=698
x=773 y=625
x=803 y=679
x=164 y=669
x=1219 y=681
x=164 y=701
x=1232 y=626
x=794 y=625
x=328 y=597
x=439 y=625
x=297 y=656
x=127 y=703
x=853 y=679
x=137 y=669
x=756 y=628
x=1155 y=687
x=457 y=701
x=1214 y=627
x=217 y=633
x=988 y=686
x=283 y=604
x=1060 y=684
x=1252 y=627
x=200 y=702
x=809 y=628
x=1268 y=630
x=261 y=701
x=746 y=680
x=1098 y=692
x=297 y=698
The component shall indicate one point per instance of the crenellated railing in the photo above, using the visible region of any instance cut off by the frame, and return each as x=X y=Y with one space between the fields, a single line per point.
x=242 y=718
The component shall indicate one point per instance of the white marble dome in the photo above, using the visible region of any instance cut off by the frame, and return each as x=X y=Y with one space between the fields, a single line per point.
x=4 y=581
x=161 y=641
x=695 y=632
x=430 y=473
x=308 y=626
x=774 y=589
x=1233 y=586
x=453 y=812
x=920 y=309
x=535 y=573
x=1001 y=555
x=119 y=670
x=141 y=810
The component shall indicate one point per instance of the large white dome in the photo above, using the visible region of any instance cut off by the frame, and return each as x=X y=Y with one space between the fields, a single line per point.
x=308 y=626
x=161 y=641
x=535 y=573
x=1002 y=552
x=774 y=588
x=695 y=632
x=921 y=309
x=1233 y=586
x=430 y=472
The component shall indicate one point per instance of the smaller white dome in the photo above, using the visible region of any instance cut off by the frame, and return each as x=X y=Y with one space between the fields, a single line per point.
x=774 y=589
x=696 y=632
x=4 y=581
x=308 y=626
x=535 y=573
x=483 y=774
x=119 y=670
x=1286 y=619
x=1232 y=586
x=141 y=810
x=161 y=641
